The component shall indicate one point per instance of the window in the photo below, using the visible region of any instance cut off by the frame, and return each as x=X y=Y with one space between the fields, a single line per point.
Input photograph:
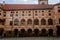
x=43 y=3
x=42 y=14
x=42 y=11
x=58 y=10
x=16 y=14
x=29 y=14
x=29 y=11
x=0 y=10
x=35 y=11
x=59 y=20
x=11 y=14
x=59 y=7
x=36 y=14
x=22 y=11
x=22 y=14
x=16 y=22
x=29 y=22
x=50 y=22
x=43 y=22
x=49 y=10
x=0 y=13
x=4 y=14
x=36 y=22
x=22 y=22
x=49 y=14
x=11 y=23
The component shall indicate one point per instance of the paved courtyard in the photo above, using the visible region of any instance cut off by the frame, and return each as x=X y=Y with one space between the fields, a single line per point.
x=32 y=38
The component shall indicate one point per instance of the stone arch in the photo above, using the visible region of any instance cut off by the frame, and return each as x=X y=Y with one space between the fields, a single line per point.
x=58 y=30
x=16 y=22
x=43 y=32
x=36 y=22
x=16 y=32
x=29 y=21
x=1 y=31
x=22 y=30
x=22 y=21
x=43 y=22
x=50 y=21
x=50 y=32
x=36 y=32
x=29 y=30
x=23 y=33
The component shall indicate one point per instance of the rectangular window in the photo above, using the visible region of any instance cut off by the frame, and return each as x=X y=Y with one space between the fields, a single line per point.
x=4 y=14
x=0 y=13
x=11 y=14
x=22 y=14
x=59 y=21
x=11 y=23
x=58 y=10
x=16 y=14
x=59 y=7
x=29 y=14
x=42 y=14
x=36 y=14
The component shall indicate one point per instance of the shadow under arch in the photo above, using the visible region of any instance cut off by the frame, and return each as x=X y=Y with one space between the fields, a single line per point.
x=29 y=32
x=58 y=30
x=36 y=32
x=50 y=32
x=23 y=32
x=43 y=32
x=16 y=32
x=1 y=31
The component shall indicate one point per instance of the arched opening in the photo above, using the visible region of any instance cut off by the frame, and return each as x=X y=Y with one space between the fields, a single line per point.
x=29 y=22
x=23 y=33
x=29 y=31
x=50 y=32
x=50 y=22
x=43 y=22
x=16 y=32
x=1 y=31
x=23 y=22
x=36 y=22
x=36 y=32
x=16 y=22
x=58 y=30
x=43 y=32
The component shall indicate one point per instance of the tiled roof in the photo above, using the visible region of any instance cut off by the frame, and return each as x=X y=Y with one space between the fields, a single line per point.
x=26 y=6
x=58 y=3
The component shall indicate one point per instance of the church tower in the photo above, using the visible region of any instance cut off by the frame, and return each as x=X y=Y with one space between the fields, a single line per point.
x=42 y=1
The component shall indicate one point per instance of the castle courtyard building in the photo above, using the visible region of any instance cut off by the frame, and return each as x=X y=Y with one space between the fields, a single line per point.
x=40 y=19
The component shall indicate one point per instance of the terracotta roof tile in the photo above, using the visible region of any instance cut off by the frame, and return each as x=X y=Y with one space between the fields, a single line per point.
x=26 y=6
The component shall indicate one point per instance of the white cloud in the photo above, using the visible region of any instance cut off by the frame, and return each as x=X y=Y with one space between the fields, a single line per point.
x=35 y=2
x=24 y=0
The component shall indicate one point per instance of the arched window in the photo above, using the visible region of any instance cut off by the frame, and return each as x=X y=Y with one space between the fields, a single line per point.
x=29 y=22
x=43 y=22
x=16 y=22
x=36 y=22
x=22 y=22
x=50 y=22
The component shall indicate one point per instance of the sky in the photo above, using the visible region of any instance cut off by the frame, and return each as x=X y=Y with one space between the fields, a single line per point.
x=28 y=1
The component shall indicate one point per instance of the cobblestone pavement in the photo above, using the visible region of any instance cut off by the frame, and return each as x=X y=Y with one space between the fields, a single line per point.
x=32 y=38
